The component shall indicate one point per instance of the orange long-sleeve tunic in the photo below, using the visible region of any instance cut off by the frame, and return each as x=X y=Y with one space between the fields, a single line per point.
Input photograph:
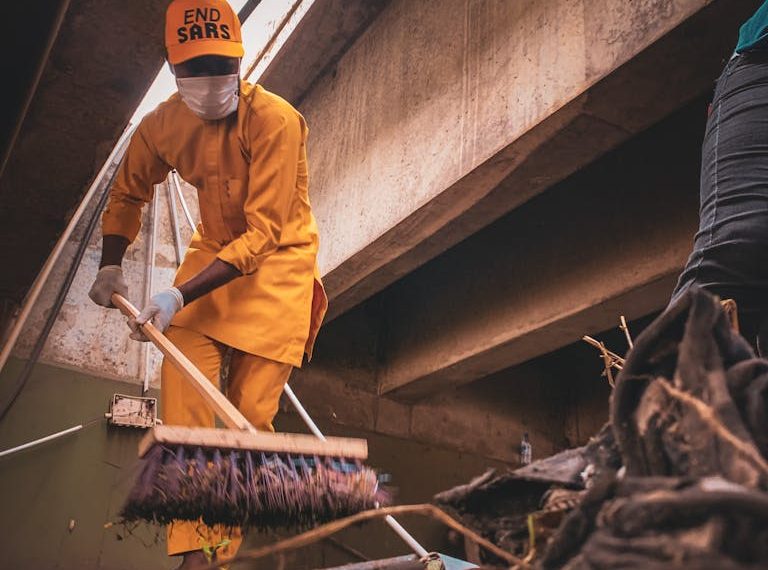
x=250 y=171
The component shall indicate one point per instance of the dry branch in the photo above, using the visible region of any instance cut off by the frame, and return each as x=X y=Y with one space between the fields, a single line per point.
x=708 y=414
x=328 y=529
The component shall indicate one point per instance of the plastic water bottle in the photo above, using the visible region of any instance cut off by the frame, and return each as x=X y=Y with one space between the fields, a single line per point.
x=526 y=450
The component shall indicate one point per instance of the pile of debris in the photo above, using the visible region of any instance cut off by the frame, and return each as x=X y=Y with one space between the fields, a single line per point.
x=677 y=478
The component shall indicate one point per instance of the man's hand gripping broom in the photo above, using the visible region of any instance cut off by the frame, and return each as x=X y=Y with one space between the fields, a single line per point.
x=240 y=476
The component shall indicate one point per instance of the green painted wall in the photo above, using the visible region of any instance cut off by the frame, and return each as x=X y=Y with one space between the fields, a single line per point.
x=81 y=477
x=84 y=477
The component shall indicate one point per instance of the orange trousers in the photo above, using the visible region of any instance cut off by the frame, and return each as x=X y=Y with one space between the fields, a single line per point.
x=254 y=385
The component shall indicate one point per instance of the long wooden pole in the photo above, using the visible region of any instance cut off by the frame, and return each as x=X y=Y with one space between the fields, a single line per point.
x=222 y=407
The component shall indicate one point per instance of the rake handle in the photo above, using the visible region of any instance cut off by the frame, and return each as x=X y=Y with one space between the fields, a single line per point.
x=222 y=407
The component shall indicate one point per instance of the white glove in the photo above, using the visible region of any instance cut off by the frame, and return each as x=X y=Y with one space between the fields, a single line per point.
x=108 y=280
x=162 y=306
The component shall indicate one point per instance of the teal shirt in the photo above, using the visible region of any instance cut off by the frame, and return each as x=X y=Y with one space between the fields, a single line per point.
x=754 y=32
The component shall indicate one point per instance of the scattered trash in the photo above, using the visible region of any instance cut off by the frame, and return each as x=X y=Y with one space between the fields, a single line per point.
x=678 y=476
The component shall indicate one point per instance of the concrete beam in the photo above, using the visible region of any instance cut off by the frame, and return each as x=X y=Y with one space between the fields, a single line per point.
x=608 y=241
x=322 y=36
x=106 y=54
x=441 y=119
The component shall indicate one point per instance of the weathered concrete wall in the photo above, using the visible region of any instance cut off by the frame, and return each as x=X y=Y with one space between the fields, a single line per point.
x=439 y=102
x=84 y=477
x=487 y=418
x=559 y=398
x=88 y=337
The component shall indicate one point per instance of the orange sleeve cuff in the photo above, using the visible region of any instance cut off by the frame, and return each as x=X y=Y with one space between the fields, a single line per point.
x=122 y=219
x=238 y=254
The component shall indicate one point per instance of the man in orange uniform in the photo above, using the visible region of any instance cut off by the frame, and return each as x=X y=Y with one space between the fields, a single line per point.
x=249 y=278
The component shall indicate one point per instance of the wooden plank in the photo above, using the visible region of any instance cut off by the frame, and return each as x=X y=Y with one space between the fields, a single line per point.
x=409 y=562
x=222 y=407
x=297 y=443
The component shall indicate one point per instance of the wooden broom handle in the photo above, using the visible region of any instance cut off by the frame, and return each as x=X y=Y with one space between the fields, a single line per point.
x=222 y=407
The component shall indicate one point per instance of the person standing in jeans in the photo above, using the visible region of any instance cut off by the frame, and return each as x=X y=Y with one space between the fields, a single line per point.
x=730 y=251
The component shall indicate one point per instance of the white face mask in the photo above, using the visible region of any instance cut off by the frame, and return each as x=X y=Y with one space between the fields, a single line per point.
x=212 y=97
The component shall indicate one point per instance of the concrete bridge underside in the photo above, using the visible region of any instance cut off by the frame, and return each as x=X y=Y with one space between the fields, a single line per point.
x=487 y=334
x=444 y=116
x=492 y=180
x=464 y=192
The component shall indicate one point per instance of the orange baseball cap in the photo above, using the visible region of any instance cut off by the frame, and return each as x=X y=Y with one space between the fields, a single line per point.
x=201 y=27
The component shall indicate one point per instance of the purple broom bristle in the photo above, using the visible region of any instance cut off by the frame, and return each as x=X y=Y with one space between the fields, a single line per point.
x=249 y=489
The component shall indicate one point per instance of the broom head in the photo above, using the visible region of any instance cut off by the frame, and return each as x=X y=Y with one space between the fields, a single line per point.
x=246 y=479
